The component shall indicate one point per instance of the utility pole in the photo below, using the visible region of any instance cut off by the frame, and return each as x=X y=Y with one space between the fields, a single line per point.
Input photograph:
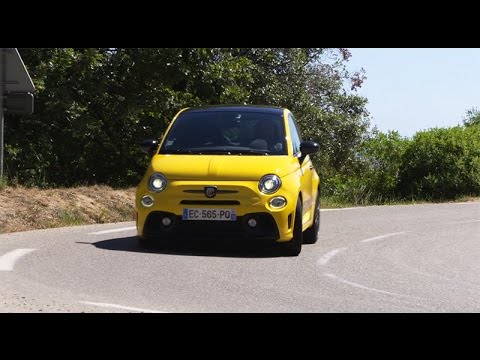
x=16 y=89
x=2 y=94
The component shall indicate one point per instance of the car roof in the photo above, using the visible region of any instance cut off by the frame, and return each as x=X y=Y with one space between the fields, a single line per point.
x=245 y=108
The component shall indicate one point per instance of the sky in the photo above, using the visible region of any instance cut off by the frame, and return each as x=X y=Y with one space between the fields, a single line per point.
x=409 y=90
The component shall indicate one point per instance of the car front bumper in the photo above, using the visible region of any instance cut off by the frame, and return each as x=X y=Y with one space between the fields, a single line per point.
x=243 y=196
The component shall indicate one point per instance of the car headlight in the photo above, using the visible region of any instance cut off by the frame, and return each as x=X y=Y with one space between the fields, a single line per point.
x=269 y=184
x=157 y=182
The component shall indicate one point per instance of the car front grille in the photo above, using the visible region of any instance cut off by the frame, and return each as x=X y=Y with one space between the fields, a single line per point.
x=203 y=191
x=210 y=202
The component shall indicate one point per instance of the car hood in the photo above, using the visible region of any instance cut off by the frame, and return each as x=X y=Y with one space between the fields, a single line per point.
x=222 y=167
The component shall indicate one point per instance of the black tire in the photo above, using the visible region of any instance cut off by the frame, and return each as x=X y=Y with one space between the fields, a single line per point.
x=310 y=236
x=294 y=246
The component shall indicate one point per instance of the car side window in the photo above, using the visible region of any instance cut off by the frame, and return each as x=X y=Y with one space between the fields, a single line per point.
x=295 y=135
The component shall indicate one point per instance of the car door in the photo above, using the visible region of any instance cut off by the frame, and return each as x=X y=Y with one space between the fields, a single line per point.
x=306 y=168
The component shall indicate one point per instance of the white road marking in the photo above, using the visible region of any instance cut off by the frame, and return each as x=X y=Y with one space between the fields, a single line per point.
x=7 y=261
x=115 y=306
x=381 y=237
x=360 y=286
x=328 y=256
x=113 y=230
x=340 y=209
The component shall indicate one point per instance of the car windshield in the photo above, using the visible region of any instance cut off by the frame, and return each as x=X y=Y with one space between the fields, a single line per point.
x=226 y=133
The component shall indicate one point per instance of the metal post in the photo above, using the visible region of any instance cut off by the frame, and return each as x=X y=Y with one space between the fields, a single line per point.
x=2 y=94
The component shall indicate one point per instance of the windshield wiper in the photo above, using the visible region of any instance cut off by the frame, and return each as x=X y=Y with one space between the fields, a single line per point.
x=230 y=151
x=177 y=151
x=218 y=151
x=249 y=152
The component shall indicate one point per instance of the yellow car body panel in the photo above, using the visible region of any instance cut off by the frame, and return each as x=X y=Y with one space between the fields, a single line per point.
x=236 y=178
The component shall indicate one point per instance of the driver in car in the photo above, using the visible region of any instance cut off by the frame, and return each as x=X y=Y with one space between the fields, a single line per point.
x=266 y=137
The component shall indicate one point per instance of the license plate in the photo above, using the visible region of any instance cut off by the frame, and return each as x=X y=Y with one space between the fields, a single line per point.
x=209 y=214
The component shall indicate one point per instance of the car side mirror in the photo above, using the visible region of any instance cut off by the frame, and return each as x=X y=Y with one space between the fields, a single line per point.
x=149 y=146
x=309 y=147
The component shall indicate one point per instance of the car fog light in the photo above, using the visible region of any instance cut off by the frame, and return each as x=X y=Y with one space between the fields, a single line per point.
x=147 y=201
x=278 y=202
x=252 y=222
x=166 y=221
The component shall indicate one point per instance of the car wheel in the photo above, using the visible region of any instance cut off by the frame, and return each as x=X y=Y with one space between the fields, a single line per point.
x=294 y=246
x=310 y=236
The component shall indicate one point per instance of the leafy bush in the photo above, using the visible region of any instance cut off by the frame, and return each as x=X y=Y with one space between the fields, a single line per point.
x=442 y=164
x=373 y=175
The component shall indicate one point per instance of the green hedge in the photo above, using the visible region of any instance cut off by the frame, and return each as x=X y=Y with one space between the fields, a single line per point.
x=442 y=164
x=438 y=164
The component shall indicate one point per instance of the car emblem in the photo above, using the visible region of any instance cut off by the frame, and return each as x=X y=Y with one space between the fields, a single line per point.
x=210 y=191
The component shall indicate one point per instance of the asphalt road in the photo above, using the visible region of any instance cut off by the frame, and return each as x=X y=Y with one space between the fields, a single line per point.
x=421 y=258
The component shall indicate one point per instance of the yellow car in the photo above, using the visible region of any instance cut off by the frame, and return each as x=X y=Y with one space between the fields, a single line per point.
x=230 y=171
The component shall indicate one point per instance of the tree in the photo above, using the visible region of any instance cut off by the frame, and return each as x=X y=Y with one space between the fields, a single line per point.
x=374 y=173
x=94 y=106
x=472 y=117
